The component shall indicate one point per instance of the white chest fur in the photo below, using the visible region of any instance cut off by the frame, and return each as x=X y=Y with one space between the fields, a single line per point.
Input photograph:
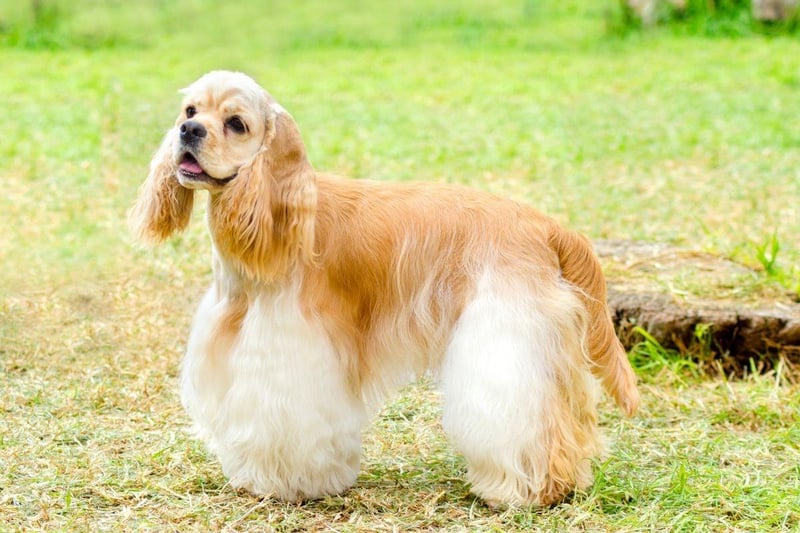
x=275 y=407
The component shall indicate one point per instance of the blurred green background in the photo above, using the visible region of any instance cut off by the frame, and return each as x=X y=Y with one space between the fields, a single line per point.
x=685 y=132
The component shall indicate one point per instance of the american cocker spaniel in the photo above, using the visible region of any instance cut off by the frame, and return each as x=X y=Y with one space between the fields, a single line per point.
x=329 y=293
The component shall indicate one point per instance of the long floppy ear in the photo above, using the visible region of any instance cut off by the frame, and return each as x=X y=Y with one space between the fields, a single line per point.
x=264 y=219
x=163 y=206
x=294 y=198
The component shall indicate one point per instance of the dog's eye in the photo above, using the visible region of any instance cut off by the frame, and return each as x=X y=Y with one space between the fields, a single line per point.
x=191 y=111
x=236 y=124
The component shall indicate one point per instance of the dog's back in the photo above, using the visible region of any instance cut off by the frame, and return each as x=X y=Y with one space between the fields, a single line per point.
x=429 y=243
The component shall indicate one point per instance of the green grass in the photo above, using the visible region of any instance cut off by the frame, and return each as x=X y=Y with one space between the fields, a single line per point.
x=652 y=135
x=709 y=18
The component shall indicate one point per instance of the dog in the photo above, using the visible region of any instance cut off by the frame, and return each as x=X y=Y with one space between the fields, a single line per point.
x=330 y=293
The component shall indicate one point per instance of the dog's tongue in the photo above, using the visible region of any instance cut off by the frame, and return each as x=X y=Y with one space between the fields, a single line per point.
x=190 y=166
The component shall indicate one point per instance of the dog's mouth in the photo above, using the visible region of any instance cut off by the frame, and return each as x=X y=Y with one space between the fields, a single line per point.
x=191 y=171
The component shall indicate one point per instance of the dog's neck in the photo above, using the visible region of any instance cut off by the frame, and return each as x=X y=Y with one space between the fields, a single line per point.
x=242 y=261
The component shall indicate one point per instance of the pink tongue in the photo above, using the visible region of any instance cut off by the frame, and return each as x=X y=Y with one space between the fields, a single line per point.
x=191 y=166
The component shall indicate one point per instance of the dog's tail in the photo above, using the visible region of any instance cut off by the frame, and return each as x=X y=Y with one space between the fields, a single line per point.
x=580 y=267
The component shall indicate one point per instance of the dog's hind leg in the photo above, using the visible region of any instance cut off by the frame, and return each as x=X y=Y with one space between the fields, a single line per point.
x=519 y=399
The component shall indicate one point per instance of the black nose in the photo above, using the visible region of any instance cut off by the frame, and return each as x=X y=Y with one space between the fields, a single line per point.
x=191 y=131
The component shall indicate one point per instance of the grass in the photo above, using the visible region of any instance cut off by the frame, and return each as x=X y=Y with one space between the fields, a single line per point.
x=650 y=135
x=710 y=18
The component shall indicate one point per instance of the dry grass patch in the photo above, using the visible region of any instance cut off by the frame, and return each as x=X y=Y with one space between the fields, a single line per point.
x=93 y=437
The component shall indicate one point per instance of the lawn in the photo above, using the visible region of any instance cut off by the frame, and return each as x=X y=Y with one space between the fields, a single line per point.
x=656 y=135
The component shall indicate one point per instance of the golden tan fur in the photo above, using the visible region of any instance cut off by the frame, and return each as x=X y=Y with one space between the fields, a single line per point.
x=381 y=266
x=164 y=207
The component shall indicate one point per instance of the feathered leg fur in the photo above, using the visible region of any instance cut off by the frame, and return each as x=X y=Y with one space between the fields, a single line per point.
x=519 y=401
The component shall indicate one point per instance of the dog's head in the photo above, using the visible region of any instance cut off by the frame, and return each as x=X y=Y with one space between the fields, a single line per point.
x=234 y=140
x=225 y=120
